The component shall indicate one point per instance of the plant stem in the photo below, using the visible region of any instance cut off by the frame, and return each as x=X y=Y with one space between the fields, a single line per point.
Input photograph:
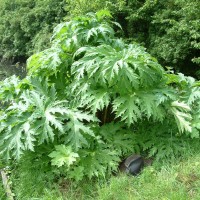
x=6 y=185
x=105 y=115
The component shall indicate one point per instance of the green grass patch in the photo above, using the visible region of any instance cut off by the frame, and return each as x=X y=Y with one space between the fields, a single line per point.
x=2 y=191
x=175 y=181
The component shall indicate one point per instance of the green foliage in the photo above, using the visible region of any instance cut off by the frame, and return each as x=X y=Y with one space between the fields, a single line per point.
x=81 y=7
x=162 y=143
x=86 y=98
x=63 y=155
x=168 y=29
x=26 y=26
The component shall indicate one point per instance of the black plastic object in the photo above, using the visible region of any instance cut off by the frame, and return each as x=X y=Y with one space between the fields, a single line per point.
x=132 y=165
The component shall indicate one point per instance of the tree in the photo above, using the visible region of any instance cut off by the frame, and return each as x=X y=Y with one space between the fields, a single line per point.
x=26 y=26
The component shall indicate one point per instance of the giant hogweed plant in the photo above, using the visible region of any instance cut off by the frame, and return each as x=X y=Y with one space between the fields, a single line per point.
x=91 y=98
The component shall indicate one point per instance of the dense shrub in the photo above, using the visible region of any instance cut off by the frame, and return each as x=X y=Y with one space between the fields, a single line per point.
x=26 y=26
x=170 y=31
x=90 y=99
x=82 y=7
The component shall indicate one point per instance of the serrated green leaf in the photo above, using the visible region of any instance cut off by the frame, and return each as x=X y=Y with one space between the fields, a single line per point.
x=127 y=109
x=63 y=156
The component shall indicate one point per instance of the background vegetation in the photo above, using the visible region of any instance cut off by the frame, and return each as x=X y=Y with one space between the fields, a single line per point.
x=26 y=26
x=168 y=29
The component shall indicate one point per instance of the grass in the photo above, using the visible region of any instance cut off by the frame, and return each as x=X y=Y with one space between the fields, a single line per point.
x=172 y=181
x=180 y=181
x=2 y=192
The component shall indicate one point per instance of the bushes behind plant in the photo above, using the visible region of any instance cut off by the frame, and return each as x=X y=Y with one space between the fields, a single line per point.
x=26 y=26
